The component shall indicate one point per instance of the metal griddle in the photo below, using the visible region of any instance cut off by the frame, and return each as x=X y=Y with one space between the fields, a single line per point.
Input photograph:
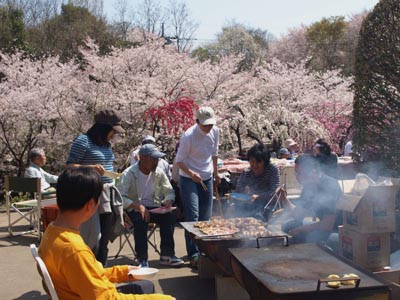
x=216 y=247
x=293 y=272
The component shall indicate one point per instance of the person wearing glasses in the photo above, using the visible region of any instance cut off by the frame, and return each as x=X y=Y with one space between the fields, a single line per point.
x=144 y=187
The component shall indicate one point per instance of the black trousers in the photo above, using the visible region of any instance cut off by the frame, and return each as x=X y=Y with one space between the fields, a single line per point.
x=106 y=230
x=137 y=287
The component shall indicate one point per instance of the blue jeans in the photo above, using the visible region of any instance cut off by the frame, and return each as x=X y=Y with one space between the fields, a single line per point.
x=167 y=226
x=197 y=206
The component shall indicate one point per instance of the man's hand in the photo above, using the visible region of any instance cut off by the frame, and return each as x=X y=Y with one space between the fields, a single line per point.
x=253 y=198
x=132 y=268
x=144 y=213
x=168 y=203
x=195 y=177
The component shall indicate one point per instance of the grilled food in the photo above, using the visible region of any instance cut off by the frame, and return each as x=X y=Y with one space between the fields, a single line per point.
x=247 y=227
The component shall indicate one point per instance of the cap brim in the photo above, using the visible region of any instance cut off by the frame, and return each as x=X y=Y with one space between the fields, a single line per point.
x=210 y=121
x=158 y=155
x=119 y=129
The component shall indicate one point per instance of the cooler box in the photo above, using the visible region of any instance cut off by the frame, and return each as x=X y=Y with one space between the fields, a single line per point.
x=49 y=214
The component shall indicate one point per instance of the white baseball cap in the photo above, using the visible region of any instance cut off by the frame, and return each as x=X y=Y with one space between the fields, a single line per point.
x=206 y=116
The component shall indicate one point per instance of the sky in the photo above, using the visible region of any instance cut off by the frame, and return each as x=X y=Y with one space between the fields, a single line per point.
x=275 y=16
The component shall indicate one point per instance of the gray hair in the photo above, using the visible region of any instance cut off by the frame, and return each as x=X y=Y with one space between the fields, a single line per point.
x=35 y=152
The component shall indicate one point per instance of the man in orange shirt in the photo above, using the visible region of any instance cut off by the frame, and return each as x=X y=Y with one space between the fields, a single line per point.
x=75 y=272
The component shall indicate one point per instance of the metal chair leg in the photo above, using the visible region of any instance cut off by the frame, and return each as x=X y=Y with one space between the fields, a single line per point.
x=127 y=235
x=151 y=235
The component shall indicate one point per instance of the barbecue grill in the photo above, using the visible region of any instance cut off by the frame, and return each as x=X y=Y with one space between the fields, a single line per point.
x=216 y=247
x=299 y=272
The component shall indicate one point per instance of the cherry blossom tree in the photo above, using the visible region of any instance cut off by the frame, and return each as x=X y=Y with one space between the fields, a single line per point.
x=47 y=103
x=40 y=101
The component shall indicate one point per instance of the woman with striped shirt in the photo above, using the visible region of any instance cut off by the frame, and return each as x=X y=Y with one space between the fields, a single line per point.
x=94 y=149
x=259 y=181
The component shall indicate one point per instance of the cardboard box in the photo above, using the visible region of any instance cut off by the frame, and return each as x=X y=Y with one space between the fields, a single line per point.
x=368 y=250
x=393 y=277
x=372 y=211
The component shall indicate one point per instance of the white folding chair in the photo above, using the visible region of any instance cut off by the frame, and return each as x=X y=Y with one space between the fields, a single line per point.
x=46 y=279
x=28 y=210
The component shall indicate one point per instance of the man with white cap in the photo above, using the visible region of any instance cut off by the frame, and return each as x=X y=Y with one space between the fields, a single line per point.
x=197 y=161
x=143 y=187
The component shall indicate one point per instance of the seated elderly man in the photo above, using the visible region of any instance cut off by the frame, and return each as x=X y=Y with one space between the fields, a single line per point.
x=162 y=163
x=38 y=160
x=260 y=181
x=145 y=186
x=317 y=201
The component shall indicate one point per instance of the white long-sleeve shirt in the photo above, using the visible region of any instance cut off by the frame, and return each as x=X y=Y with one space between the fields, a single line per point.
x=196 y=150
x=34 y=171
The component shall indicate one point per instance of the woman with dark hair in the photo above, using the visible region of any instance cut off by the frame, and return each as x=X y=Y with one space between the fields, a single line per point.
x=328 y=160
x=259 y=182
x=93 y=149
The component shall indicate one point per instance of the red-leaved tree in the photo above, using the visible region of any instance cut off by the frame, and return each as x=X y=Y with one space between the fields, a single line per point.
x=172 y=117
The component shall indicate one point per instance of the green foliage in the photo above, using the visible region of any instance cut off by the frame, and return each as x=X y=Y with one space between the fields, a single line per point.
x=64 y=33
x=236 y=39
x=12 y=29
x=377 y=87
x=201 y=53
x=326 y=39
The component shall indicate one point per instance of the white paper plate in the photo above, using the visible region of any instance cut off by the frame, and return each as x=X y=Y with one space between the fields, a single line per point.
x=143 y=273
x=111 y=174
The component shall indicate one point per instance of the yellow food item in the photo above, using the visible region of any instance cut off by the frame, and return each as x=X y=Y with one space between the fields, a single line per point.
x=350 y=282
x=333 y=284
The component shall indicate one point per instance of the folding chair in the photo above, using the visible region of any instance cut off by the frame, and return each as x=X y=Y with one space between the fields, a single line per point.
x=151 y=237
x=128 y=233
x=29 y=210
x=46 y=279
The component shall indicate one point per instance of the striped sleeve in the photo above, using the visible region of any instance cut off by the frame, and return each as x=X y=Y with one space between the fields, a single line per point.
x=78 y=149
